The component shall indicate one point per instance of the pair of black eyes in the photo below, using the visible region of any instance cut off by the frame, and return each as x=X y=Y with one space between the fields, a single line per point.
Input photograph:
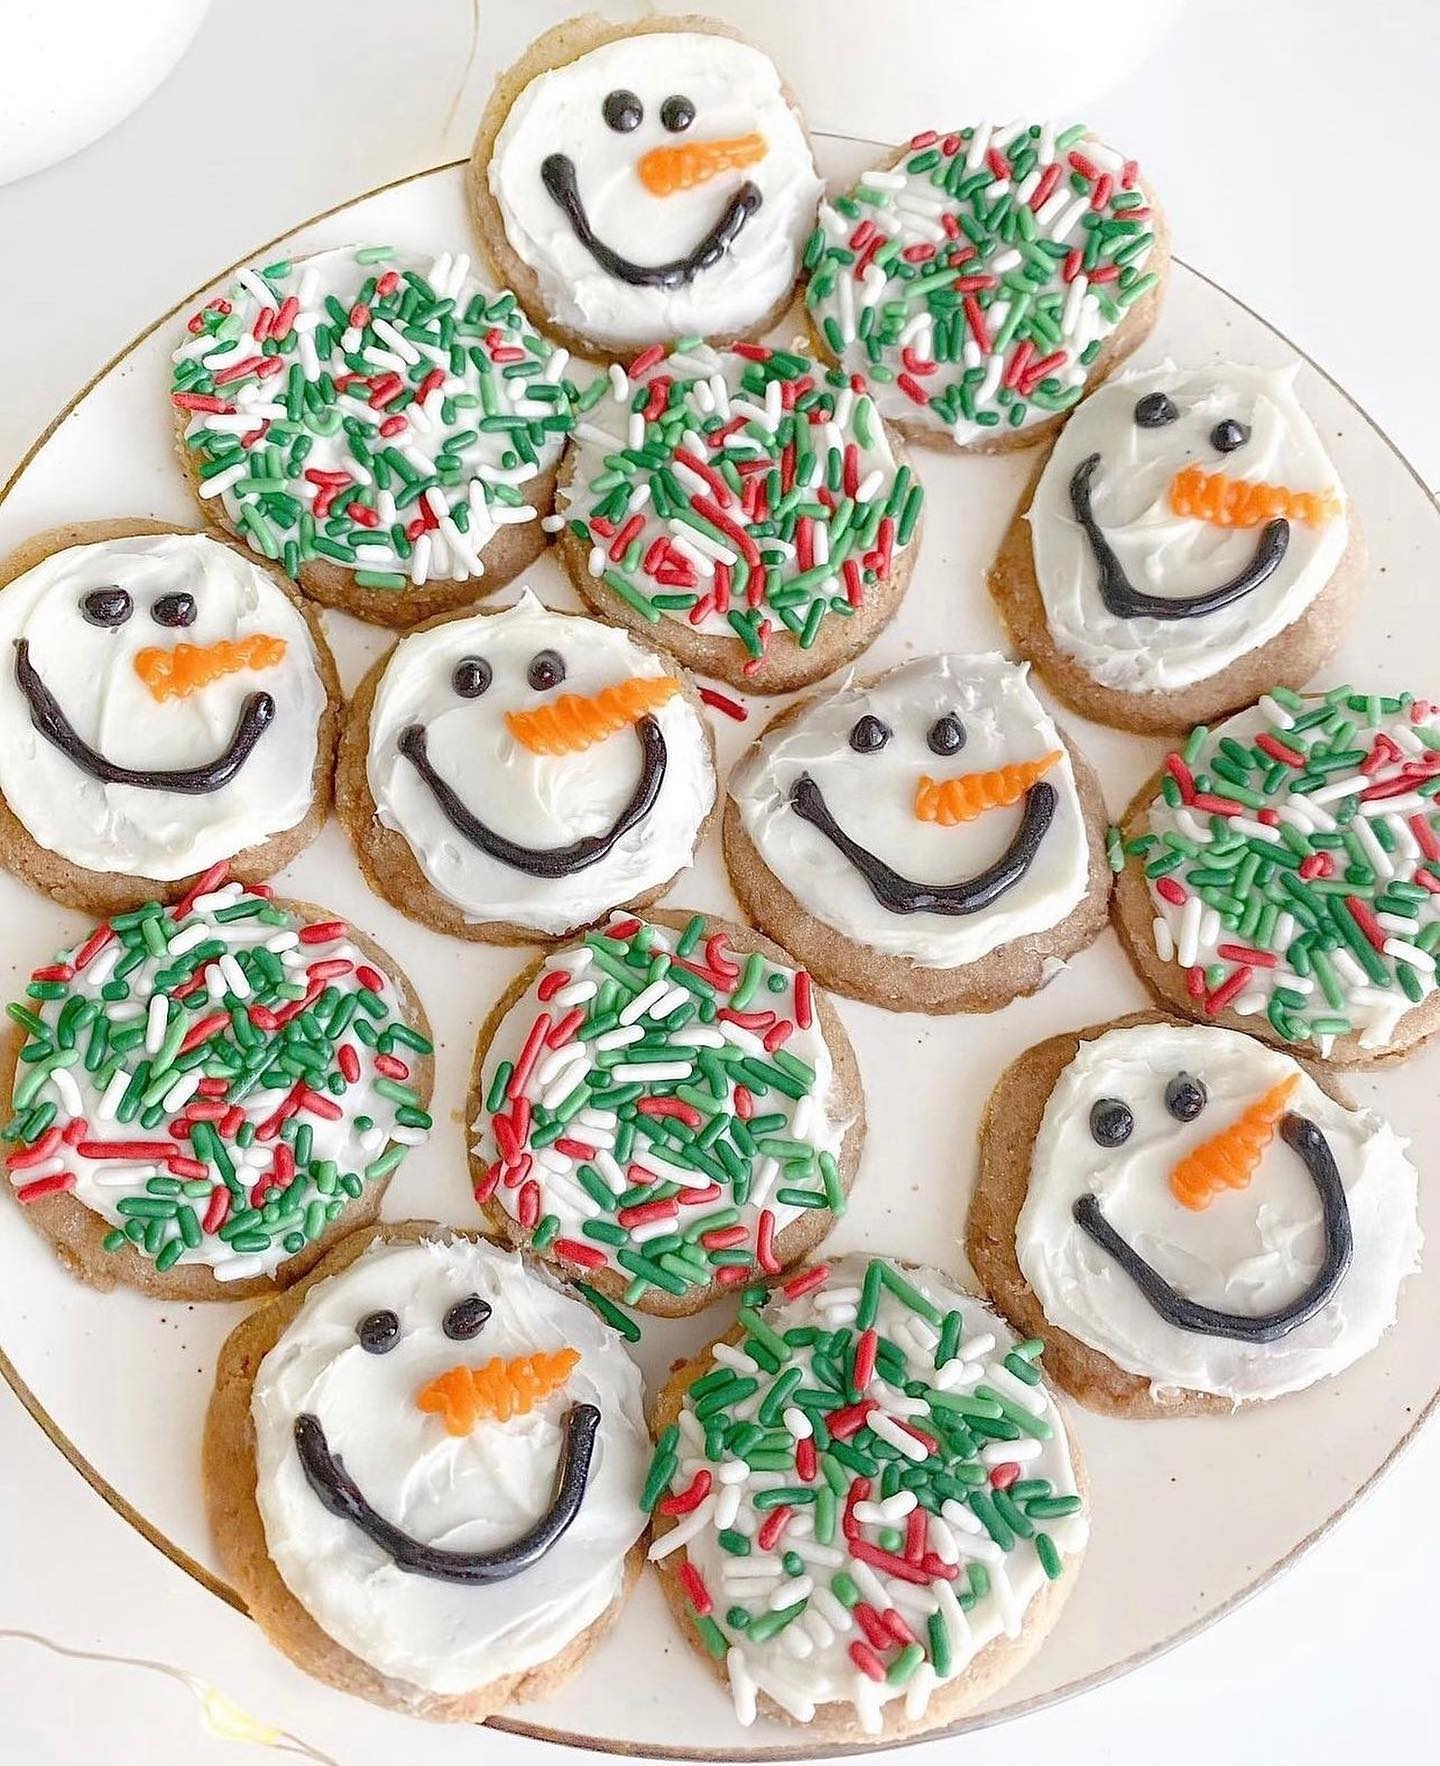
x=378 y=1332
x=623 y=112
x=1157 y=409
x=1112 y=1121
x=113 y=606
x=945 y=736
x=473 y=674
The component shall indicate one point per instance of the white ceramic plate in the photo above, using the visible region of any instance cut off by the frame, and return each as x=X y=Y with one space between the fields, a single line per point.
x=1189 y=1516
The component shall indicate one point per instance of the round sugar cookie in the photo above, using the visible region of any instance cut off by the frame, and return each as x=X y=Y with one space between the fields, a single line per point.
x=665 y=1108
x=1194 y=1221
x=168 y=703
x=926 y=840
x=421 y=1469
x=378 y=422
x=1187 y=544
x=987 y=278
x=946 y=1513
x=198 y=1100
x=643 y=182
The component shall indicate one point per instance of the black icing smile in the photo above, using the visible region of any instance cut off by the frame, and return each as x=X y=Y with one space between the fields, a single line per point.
x=557 y=173
x=899 y=895
x=339 y=1493
x=1188 y=1315
x=256 y=716
x=1125 y=601
x=554 y=861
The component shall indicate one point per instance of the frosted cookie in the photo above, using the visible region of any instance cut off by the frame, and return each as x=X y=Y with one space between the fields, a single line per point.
x=867 y=1510
x=643 y=182
x=378 y=422
x=421 y=1469
x=1194 y=1221
x=986 y=279
x=166 y=704
x=198 y=1100
x=745 y=507
x=1188 y=545
x=667 y=1108
x=1281 y=874
x=926 y=840
x=514 y=775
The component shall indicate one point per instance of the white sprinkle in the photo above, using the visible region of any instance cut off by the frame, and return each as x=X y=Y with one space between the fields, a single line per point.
x=683 y=1531
x=156 y=1020
x=184 y=1088
x=742 y=1686
x=644 y=1072
x=189 y=938
x=1409 y=953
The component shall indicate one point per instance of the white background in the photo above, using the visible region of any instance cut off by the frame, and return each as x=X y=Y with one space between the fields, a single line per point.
x=1292 y=144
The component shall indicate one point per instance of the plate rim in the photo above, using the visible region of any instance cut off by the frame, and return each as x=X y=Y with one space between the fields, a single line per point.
x=182 y=1560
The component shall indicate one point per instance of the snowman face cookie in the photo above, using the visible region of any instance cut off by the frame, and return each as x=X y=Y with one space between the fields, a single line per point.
x=448 y=1454
x=541 y=767
x=160 y=706
x=1185 y=518
x=931 y=814
x=657 y=186
x=1200 y=1212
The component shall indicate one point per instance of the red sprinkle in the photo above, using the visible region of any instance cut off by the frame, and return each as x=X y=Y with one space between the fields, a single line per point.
x=686 y=1501
x=1169 y=890
x=862 y=1369
x=1232 y=985
x=805 y=1281
x=45 y=1186
x=694 y=1586
x=1366 y=921
x=1242 y=953
x=773 y=1526
x=1003 y=1476
x=551 y=984
x=723 y=703
x=587 y=1256
x=806 y=1461
x=44 y=1148
x=765 y=1242
x=866 y=1660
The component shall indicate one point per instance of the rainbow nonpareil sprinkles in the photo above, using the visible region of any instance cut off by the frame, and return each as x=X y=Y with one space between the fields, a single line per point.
x=975 y=281
x=218 y=1079
x=376 y=411
x=743 y=491
x=657 y=1104
x=1293 y=860
x=864 y=1490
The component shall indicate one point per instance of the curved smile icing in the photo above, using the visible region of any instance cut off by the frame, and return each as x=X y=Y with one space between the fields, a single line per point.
x=898 y=894
x=1122 y=599
x=256 y=716
x=555 y=861
x=557 y=173
x=341 y=1496
x=1310 y=1143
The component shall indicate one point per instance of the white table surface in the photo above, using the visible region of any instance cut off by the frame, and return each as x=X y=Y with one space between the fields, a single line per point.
x=1267 y=176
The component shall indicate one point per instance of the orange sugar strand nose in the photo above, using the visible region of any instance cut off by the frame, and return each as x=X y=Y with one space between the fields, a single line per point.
x=1243 y=502
x=500 y=1388
x=1229 y=1159
x=664 y=170
x=948 y=801
x=571 y=723
x=185 y=669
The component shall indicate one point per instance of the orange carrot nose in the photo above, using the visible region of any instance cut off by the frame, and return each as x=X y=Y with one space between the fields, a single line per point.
x=177 y=673
x=500 y=1389
x=1245 y=502
x=570 y=723
x=664 y=170
x=1228 y=1160
x=948 y=801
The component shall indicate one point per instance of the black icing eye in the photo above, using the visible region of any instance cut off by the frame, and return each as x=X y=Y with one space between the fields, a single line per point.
x=378 y=1332
x=111 y=606
x=1227 y=435
x=1185 y=1097
x=1155 y=410
x=173 y=610
x=622 y=112
x=546 y=670
x=868 y=735
x=946 y=735
x=466 y=1318
x=677 y=113
x=1111 y=1122
x=471 y=677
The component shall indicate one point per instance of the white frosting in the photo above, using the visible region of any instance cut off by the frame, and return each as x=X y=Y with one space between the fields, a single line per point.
x=470 y=1492
x=1163 y=553
x=809 y=1664
x=534 y=799
x=1251 y=1250
x=872 y=797
x=91 y=671
x=736 y=92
